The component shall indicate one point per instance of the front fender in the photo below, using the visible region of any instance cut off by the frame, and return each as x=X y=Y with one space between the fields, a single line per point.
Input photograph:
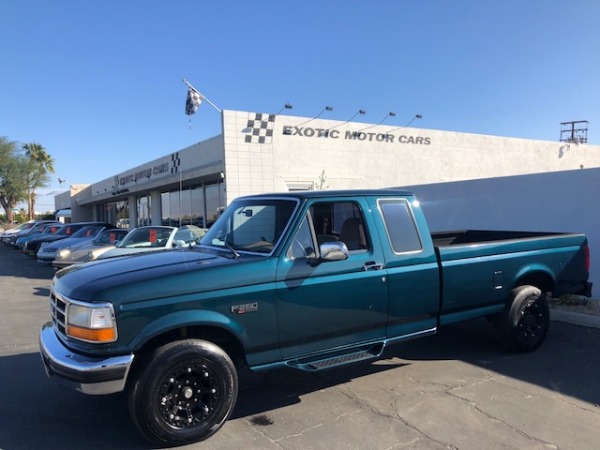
x=181 y=319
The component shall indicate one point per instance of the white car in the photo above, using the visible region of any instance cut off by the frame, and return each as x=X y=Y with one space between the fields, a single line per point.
x=24 y=226
x=154 y=238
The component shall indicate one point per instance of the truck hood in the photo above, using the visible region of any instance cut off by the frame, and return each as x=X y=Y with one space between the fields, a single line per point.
x=160 y=275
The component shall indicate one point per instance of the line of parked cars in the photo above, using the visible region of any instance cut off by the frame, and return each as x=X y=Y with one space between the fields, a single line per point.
x=62 y=245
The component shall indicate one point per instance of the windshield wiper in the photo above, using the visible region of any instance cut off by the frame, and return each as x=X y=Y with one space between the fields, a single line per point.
x=229 y=247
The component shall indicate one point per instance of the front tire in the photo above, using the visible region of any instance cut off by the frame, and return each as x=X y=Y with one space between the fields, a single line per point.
x=185 y=393
x=524 y=325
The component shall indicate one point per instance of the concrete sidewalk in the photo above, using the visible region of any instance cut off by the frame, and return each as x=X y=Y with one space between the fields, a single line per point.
x=575 y=318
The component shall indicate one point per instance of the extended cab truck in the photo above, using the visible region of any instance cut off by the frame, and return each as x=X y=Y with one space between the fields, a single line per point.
x=306 y=280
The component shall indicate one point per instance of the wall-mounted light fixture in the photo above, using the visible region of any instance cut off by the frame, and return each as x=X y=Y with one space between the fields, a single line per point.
x=415 y=117
x=286 y=106
x=362 y=112
x=327 y=108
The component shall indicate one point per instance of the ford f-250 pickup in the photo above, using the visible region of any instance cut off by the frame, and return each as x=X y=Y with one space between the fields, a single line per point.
x=307 y=280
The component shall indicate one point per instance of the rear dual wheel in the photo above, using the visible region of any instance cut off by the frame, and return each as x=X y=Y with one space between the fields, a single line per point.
x=185 y=393
x=524 y=324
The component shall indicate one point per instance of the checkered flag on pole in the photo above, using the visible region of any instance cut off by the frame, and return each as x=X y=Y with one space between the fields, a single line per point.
x=193 y=101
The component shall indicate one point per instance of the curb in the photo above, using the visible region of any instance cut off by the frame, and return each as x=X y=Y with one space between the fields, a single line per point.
x=574 y=318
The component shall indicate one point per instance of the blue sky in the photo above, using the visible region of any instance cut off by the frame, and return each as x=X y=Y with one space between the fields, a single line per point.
x=99 y=83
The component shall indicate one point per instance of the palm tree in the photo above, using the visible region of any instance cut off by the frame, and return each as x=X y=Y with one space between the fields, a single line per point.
x=36 y=152
x=12 y=182
x=41 y=164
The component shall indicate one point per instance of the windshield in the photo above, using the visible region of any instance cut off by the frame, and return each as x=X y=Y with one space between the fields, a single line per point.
x=253 y=225
x=109 y=236
x=88 y=231
x=25 y=226
x=67 y=230
x=147 y=237
x=52 y=229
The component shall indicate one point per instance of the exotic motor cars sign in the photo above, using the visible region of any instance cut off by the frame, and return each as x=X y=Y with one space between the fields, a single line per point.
x=354 y=135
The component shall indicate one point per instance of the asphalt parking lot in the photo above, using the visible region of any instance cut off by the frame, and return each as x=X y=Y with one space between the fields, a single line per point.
x=455 y=390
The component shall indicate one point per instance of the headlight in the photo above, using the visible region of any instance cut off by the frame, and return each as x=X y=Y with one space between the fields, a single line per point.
x=62 y=254
x=92 y=323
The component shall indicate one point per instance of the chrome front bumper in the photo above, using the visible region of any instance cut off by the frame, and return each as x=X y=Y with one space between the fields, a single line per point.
x=87 y=374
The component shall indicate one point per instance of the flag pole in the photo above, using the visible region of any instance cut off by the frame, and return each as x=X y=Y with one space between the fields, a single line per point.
x=203 y=97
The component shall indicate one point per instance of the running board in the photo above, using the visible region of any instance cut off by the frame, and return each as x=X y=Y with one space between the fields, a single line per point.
x=339 y=358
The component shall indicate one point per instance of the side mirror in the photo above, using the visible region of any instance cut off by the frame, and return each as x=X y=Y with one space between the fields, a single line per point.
x=333 y=251
x=179 y=243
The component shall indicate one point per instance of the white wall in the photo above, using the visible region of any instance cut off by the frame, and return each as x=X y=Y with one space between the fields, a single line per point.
x=270 y=153
x=249 y=166
x=562 y=201
x=203 y=159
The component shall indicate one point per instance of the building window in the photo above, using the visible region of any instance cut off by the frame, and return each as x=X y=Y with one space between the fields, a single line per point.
x=175 y=208
x=213 y=203
x=197 y=205
x=144 y=210
x=116 y=213
x=165 y=206
x=197 y=197
x=186 y=207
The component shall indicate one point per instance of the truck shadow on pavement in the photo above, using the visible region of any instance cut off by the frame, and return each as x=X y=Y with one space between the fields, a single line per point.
x=36 y=413
x=42 y=292
x=568 y=362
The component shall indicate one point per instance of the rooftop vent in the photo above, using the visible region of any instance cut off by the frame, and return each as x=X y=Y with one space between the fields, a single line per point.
x=574 y=132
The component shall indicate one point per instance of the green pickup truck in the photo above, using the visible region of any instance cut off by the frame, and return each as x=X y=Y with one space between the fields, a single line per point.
x=307 y=280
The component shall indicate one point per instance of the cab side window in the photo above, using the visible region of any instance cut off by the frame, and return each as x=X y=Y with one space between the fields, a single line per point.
x=303 y=245
x=400 y=226
x=340 y=221
x=330 y=221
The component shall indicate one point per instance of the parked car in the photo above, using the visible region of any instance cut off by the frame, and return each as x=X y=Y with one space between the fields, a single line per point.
x=153 y=238
x=47 y=250
x=34 y=230
x=47 y=228
x=305 y=280
x=8 y=233
x=32 y=247
x=89 y=250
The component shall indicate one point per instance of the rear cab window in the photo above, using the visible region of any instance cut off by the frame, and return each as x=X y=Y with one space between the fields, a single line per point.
x=400 y=225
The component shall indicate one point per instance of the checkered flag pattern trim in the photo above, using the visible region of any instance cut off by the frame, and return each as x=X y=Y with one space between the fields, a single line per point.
x=192 y=101
x=175 y=163
x=261 y=129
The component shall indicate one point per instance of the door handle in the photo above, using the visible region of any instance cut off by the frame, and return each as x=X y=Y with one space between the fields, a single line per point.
x=372 y=265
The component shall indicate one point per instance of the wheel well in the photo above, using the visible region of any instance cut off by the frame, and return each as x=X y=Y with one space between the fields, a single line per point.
x=218 y=336
x=539 y=279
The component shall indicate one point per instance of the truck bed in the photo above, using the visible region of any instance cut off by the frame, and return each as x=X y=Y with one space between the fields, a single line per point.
x=479 y=267
x=448 y=238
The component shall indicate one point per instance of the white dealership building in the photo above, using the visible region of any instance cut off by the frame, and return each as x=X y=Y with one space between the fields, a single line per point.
x=463 y=180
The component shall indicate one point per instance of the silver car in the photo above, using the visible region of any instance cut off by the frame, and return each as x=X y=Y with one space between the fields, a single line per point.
x=48 y=250
x=87 y=251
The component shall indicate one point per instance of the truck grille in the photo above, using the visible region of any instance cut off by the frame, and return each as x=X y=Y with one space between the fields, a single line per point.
x=58 y=311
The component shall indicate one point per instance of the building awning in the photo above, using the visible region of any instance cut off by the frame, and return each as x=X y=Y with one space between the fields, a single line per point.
x=63 y=213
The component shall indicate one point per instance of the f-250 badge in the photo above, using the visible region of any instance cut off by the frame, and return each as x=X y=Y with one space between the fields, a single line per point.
x=243 y=309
